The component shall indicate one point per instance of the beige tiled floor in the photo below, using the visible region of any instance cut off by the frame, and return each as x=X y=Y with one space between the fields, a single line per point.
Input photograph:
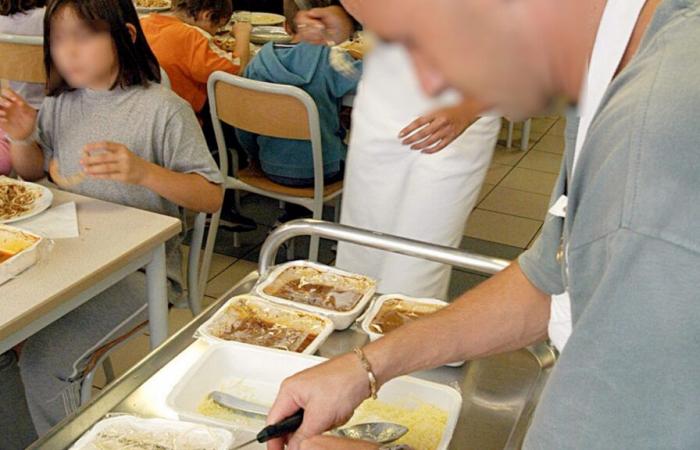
x=512 y=205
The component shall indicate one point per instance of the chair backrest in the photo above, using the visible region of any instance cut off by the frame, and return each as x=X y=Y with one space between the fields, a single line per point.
x=266 y=109
x=22 y=58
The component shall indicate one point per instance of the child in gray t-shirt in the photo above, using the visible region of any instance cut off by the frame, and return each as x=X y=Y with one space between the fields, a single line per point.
x=109 y=131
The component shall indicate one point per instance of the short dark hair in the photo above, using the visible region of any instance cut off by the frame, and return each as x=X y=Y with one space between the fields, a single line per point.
x=137 y=63
x=220 y=9
x=10 y=7
x=291 y=9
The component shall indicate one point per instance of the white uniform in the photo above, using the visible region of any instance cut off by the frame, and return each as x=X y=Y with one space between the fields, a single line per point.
x=393 y=189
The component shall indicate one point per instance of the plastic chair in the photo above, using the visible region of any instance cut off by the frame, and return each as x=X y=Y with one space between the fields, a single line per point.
x=273 y=110
x=525 y=139
x=22 y=58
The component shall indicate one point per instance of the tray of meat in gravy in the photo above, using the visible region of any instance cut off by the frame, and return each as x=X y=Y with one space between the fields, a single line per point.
x=19 y=250
x=338 y=295
x=248 y=320
x=392 y=311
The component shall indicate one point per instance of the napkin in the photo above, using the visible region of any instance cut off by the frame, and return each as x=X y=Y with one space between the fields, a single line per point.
x=58 y=222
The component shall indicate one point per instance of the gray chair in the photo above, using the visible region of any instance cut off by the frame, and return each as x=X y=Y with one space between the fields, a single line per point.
x=273 y=110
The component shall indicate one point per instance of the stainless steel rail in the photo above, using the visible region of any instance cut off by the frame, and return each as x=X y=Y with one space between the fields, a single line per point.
x=408 y=247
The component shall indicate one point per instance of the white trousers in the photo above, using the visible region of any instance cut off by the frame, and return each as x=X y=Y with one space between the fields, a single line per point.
x=392 y=189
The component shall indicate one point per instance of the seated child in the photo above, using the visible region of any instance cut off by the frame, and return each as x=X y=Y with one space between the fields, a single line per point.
x=290 y=162
x=25 y=18
x=182 y=41
x=107 y=125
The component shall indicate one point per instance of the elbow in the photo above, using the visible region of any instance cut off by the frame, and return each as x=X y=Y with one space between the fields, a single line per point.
x=214 y=200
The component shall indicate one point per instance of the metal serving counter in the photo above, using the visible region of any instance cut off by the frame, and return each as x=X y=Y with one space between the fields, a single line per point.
x=499 y=393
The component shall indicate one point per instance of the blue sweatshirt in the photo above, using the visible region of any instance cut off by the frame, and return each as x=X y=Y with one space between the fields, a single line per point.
x=305 y=66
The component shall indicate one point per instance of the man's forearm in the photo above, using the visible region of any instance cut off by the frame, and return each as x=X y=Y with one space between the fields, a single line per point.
x=502 y=314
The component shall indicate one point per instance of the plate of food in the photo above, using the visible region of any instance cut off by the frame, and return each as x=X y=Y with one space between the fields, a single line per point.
x=125 y=431
x=341 y=296
x=21 y=200
x=250 y=320
x=264 y=34
x=258 y=19
x=151 y=6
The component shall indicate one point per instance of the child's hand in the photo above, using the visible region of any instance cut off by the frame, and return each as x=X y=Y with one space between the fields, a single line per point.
x=111 y=161
x=241 y=30
x=17 y=118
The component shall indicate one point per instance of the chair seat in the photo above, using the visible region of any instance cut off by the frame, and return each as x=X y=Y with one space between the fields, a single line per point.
x=256 y=178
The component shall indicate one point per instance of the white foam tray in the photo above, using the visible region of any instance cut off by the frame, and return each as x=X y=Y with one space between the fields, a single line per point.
x=14 y=266
x=264 y=370
x=377 y=305
x=341 y=320
x=203 y=330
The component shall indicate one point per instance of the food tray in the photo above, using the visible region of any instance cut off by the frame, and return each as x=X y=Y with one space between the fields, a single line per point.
x=263 y=35
x=163 y=434
x=377 y=306
x=295 y=319
x=341 y=319
x=256 y=374
x=21 y=249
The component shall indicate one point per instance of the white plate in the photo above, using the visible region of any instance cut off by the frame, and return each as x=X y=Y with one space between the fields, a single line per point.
x=261 y=18
x=40 y=205
x=153 y=9
x=341 y=319
x=257 y=373
x=204 y=333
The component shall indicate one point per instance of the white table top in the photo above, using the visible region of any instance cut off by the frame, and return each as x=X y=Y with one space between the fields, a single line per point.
x=111 y=236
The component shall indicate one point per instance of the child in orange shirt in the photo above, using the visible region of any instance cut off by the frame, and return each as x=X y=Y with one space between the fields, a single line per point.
x=182 y=42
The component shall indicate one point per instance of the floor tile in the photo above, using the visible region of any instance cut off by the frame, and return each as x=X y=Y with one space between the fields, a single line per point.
x=550 y=144
x=535 y=238
x=559 y=128
x=496 y=173
x=546 y=162
x=501 y=228
x=229 y=277
x=485 y=189
x=507 y=157
x=529 y=180
x=461 y=282
x=219 y=263
x=516 y=203
x=488 y=248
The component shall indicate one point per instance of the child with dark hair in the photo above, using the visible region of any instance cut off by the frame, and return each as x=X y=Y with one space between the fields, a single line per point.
x=290 y=162
x=182 y=41
x=132 y=142
x=24 y=18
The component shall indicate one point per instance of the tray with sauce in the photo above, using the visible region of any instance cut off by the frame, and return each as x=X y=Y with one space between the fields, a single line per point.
x=340 y=296
x=249 y=320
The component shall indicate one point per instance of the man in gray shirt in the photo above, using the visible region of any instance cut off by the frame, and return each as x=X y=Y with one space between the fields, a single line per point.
x=628 y=377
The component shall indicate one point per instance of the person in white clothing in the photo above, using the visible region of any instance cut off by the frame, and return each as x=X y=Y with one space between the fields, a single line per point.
x=412 y=169
x=394 y=189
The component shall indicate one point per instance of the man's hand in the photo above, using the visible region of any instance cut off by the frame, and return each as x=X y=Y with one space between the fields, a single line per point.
x=328 y=393
x=334 y=443
x=323 y=25
x=112 y=161
x=17 y=118
x=435 y=131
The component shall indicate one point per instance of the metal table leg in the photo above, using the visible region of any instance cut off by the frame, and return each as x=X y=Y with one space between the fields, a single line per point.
x=157 y=291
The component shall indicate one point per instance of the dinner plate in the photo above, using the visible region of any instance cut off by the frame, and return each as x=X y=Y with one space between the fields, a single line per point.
x=152 y=9
x=262 y=19
x=41 y=204
x=265 y=34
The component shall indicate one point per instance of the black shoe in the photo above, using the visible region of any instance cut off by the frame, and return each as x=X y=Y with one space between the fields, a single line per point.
x=292 y=212
x=234 y=222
